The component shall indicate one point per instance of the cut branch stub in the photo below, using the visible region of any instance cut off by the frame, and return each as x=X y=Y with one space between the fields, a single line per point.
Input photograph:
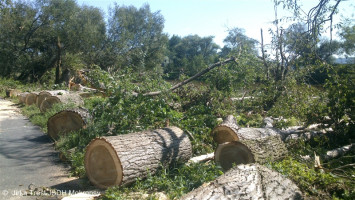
x=31 y=98
x=66 y=121
x=120 y=160
x=252 y=181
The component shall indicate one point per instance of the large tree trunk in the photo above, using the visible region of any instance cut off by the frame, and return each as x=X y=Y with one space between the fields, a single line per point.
x=66 y=121
x=31 y=98
x=250 y=181
x=119 y=160
x=74 y=98
x=246 y=145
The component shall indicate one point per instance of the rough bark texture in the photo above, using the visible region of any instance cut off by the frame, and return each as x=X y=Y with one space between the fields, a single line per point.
x=22 y=97
x=250 y=151
x=250 y=181
x=246 y=145
x=338 y=152
x=63 y=98
x=66 y=121
x=229 y=131
x=119 y=160
x=31 y=98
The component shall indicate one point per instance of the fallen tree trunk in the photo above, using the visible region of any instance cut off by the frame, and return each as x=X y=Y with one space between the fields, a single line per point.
x=229 y=131
x=209 y=68
x=31 y=98
x=22 y=97
x=66 y=121
x=338 y=152
x=48 y=102
x=250 y=181
x=246 y=145
x=119 y=160
x=44 y=94
x=249 y=151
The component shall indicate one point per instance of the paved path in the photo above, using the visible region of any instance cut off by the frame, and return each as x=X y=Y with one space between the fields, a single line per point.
x=27 y=157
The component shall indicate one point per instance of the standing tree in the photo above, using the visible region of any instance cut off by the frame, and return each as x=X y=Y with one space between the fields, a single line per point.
x=136 y=38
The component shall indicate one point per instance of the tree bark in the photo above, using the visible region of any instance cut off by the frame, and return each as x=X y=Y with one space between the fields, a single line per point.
x=31 y=98
x=59 y=61
x=66 y=121
x=44 y=94
x=250 y=181
x=250 y=151
x=22 y=97
x=119 y=160
x=74 y=98
x=246 y=145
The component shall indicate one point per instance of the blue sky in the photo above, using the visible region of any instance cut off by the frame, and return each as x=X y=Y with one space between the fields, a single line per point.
x=215 y=17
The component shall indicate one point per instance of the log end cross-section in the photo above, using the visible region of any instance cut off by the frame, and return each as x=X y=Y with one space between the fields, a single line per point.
x=66 y=121
x=121 y=159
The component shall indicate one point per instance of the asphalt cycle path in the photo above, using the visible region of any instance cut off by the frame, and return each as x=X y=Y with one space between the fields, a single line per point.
x=28 y=160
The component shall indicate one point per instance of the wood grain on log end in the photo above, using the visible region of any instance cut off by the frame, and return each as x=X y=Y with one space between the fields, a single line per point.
x=48 y=102
x=41 y=97
x=121 y=159
x=66 y=121
x=31 y=98
x=102 y=164
x=22 y=97
x=233 y=153
x=226 y=131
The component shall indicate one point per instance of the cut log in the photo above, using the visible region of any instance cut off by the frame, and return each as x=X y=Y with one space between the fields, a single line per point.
x=48 y=102
x=44 y=94
x=250 y=151
x=120 y=160
x=246 y=145
x=31 y=98
x=229 y=131
x=250 y=181
x=12 y=92
x=22 y=97
x=66 y=121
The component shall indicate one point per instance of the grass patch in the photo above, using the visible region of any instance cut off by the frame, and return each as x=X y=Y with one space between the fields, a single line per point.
x=174 y=181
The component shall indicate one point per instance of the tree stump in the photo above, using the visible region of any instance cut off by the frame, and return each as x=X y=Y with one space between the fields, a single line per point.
x=120 y=160
x=252 y=181
x=61 y=98
x=31 y=98
x=66 y=121
x=22 y=97
x=246 y=145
